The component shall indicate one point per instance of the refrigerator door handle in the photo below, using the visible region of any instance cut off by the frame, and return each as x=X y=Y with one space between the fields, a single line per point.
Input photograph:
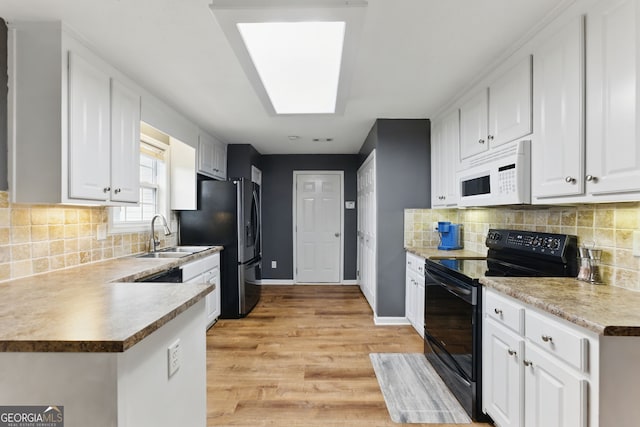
x=256 y=209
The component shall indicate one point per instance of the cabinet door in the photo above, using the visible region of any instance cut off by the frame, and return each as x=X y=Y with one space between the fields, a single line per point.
x=419 y=308
x=613 y=148
x=503 y=386
x=445 y=143
x=473 y=125
x=213 y=309
x=558 y=149
x=89 y=146
x=367 y=229
x=555 y=397
x=437 y=168
x=220 y=160
x=125 y=143
x=410 y=291
x=205 y=156
x=510 y=105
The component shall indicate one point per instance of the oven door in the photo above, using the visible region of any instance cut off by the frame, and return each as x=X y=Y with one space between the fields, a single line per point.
x=449 y=327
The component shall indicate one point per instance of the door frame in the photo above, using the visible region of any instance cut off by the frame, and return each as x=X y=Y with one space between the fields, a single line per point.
x=297 y=173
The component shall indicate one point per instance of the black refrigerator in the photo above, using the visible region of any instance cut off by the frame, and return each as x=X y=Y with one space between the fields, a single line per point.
x=229 y=215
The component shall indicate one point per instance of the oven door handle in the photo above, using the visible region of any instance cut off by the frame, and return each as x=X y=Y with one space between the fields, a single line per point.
x=452 y=285
x=452 y=364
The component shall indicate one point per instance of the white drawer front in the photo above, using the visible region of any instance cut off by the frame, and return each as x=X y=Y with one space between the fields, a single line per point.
x=415 y=263
x=566 y=344
x=504 y=311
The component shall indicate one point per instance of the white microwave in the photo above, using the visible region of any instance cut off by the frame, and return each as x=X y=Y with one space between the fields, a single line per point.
x=500 y=177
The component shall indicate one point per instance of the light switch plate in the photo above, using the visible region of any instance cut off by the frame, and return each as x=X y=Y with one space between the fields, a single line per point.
x=102 y=232
x=173 y=357
x=636 y=243
x=350 y=205
x=274 y=264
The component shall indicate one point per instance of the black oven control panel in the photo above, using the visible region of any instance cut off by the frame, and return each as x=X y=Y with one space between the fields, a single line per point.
x=531 y=242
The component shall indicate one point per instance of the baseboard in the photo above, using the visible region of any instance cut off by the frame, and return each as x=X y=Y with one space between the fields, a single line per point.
x=292 y=282
x=387 y=320
x=277 y=282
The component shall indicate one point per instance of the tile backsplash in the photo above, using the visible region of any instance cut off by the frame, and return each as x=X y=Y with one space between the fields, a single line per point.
x=609 y=226
x=40 y=238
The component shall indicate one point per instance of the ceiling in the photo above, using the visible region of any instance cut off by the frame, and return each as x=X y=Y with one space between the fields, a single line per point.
x=415 y=55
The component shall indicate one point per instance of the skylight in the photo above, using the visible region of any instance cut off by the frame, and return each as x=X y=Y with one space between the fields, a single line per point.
x=298 y=63
x=299 y=56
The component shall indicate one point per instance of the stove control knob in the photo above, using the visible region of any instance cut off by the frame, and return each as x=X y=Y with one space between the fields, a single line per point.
x=555 y=244
x=537 y=241
x=496 y=236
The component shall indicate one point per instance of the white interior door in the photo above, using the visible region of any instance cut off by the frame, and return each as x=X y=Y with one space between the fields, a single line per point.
x=318 y=227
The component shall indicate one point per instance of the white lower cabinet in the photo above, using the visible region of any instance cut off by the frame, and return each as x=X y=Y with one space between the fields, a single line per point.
x=207 y=271
x=503 y=372
x=535 y=368
x=555 y=396
x=414 y=292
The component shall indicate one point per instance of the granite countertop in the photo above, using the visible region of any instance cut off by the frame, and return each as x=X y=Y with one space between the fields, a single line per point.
x=435 y=253
x=91 y=308
x=606 y=310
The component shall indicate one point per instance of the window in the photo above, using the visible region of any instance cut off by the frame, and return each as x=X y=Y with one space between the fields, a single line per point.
x=153 y=190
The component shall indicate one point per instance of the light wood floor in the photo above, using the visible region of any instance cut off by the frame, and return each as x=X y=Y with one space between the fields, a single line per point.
x=301 y=358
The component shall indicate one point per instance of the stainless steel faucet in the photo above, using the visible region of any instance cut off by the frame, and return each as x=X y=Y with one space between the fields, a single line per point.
x=153 y=243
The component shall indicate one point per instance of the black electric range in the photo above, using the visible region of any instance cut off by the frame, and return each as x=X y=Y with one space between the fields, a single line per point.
x=453 y=306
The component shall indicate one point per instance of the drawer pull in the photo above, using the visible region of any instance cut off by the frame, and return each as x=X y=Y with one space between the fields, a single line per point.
x=527 y=363
x=497 y=311
x=547 y=338
x=512 y=352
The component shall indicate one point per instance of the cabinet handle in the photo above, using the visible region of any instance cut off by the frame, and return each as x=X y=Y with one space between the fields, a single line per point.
x=481 y=141
x=512 y=352
x=527 y=363
x=570 y=180
x=591 y=178
x=497 y=311
x=547 y=338
x=106 y=189
x=490 y=137
x=117 y=190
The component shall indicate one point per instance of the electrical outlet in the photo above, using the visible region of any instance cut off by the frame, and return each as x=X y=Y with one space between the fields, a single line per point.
x=173 y=357
x=274 y=264
x=636 y=243
x=434 y=226
x=101 y=232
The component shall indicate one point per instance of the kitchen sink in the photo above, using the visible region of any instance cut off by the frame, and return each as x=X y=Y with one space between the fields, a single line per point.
x=187 y=249
x=172 y=254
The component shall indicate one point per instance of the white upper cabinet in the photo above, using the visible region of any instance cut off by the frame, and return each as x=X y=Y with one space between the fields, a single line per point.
x=125 y=143
x=558 y=102
x=474 y=125
x=212 y=157
x=613 y=114
x=597 y=160
x=499 y=114
x=89 y=122
x=73 y=130
x=510 y=105
x=445 y=140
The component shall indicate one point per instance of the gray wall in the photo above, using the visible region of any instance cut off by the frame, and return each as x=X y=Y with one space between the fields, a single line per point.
x=277 y=209
x=403 y=180
x=3 y=106
x=240 y=157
